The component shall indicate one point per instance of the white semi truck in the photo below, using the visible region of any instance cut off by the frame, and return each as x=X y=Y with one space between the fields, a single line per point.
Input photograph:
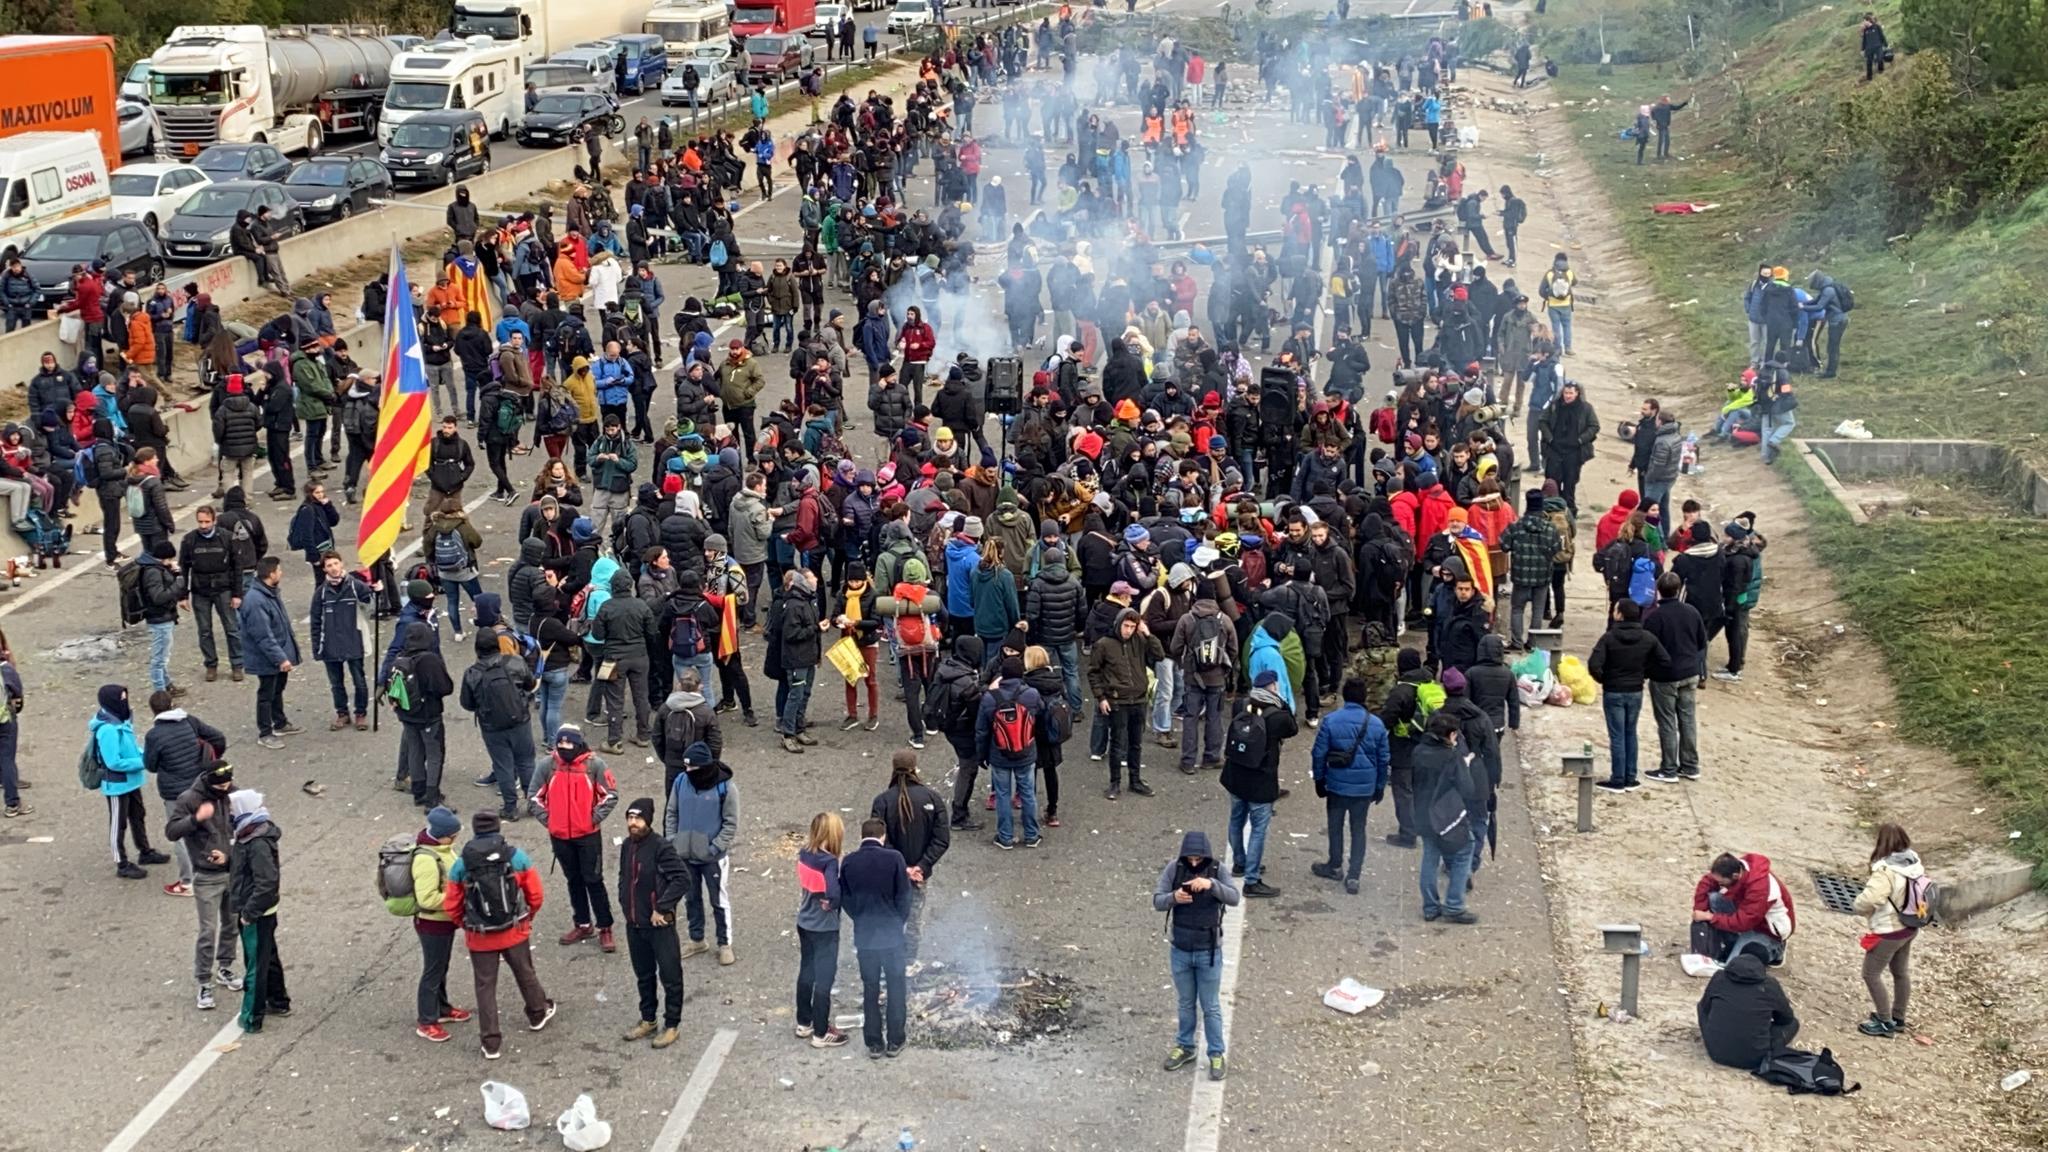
x=288 y=87
x=545 y=27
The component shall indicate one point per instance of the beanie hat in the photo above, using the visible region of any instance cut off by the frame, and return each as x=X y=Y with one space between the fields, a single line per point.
x=1408 y=661
x=418 y=590
x=164 y=550
x=643 y=808
x=697 y=755
x=1267 y=678
x=1122 y=588
x=484 y=823
x=671 y=484
x=1474 y=397
x=1454 y=682
x=714 y=543
x=973 y=529
x=442 y=823
x=916 y=571
x=570 y=737
x=1629 y=498
x=1136 y=533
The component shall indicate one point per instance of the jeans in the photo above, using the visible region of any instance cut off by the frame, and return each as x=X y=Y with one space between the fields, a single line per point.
x=1479 y=821
x=1622 y=710
x=1534 y=597
x=336 y=688
x=554 y=688
x=790 y=719
x=214 y=949
x=471 y=382
x=1458 y=864
x=511 y=753
x=1775 y=430
x=1202 y=717
x=1249 y=856
x=878 y=965
x=1678 y=734
x=1656 y=493
x=582 y=864
x=1022 y=782
x=1342 y=811
x=19 y=316
x=815 y=972
x=1561 y=327
x=1198 y=975
x=451 y=597
x=270 y=703
x=431 y=1001
x=205 y=606
x=160 y=637
x=782 y=331
x=702 y=664
x=1164 y=696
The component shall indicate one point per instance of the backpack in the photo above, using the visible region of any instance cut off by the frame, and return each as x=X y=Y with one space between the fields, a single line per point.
x=1244 y=743
x=1642 y=580
x=1209 y=653
x=678 y=731
x=954 y=705
x=499 y=702
x=1844 y=299
x=492 y=901
x=1449 y=822
x=92 y=772
x=916 y=632
x=686 y=636
x=1916 y=908
x=403 y=687
x=134 y=502
x=129 y=578
x=1013 y=728
x=1801 y=1073
x=450 y=553
x=1059 y=719
x=394 y=874
x=510 y=415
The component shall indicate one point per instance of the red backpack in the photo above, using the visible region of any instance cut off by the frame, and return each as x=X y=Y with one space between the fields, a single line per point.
x=914 y=632
x=1013 y=728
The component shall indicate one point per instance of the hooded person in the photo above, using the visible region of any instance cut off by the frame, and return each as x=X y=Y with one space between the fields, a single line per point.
x=1744 y=1015
x=703 y=822
x=1119 y=665
x=254 y=882
x=1193 y=892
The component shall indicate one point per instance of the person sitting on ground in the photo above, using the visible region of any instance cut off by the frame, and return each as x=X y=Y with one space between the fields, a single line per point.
x=1744 y=1015
x=1738 y=907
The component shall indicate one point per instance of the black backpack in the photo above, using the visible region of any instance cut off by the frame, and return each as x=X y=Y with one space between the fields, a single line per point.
x=499 y=702
x=678 y=732
x=1244 y=743
x=129 y=577
x=1803 y=1073
x=492 y=901
x=1208 y=650
x=1844 y=299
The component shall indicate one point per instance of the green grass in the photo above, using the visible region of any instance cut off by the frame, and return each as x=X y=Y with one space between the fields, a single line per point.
x=1956 y=607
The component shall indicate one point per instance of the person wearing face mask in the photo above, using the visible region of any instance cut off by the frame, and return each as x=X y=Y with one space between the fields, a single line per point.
x=118 y=759
x=199 y=823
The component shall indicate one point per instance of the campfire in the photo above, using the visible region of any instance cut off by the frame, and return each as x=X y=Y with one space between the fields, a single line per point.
x=993 y=1009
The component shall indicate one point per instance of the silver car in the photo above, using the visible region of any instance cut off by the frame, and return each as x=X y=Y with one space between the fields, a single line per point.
x=138 y=127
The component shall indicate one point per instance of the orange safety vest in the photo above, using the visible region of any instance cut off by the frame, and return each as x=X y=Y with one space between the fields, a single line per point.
x=1153 y=129
x=1183 y=126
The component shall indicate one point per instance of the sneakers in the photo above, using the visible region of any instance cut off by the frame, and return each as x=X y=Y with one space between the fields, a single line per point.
x=668 y=1036
x=612 y=748
x=233 y=983
x=1351 y=885
x=205 y=998
x=1260 y=888
x=605 y=940
x=1031 y=842
x=1610 y=786
x=849 y=724
x=178 y=888
x=694 y=948
x=1215 y=1067
x=967 y=825
x=1730 y=677
x=1465 y=917
x=289 y=729
x=917 y=741
x=1688 y=774
x=640 y=1031
x=725 y=956
x=491 y=1053
x=434 y=1033
x=1879 y=1026
x=576 y=935
x=1111 y=792
x=1004 y=845
x=487 y=780
x=14 y=811
x=455 y=1015
x=545 y=1017
x=1140 y=788
x=152 y=856
x=1179 y=1058
x=1400 y=841
x=830 y=1038
x=1662 y=776
x=790 y=745
x=806 y=739
x=1321 y=868
x=127 y=871
x=270 y=742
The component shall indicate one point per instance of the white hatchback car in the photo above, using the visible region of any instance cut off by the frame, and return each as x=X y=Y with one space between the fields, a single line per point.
x=153 y=191
x=910 y=14
x=715 y=82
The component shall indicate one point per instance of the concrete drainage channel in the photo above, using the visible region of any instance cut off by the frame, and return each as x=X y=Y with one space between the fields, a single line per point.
x=230 y=281
x=1841 y=464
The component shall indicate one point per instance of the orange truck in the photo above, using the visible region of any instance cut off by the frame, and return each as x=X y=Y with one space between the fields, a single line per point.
x=60 y=84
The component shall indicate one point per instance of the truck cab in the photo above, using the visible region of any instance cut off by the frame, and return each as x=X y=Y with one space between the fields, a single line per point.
x=240 y=83
x=764 y=17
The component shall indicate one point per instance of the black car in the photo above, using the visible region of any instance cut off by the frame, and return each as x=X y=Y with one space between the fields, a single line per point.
x=198 y=233
x=125 y=245
x=243 y=162
x=337 y=187
x=557 y=117
x=438 y=147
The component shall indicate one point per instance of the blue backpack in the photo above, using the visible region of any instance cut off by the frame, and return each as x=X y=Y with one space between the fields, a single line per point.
x=1642 y=581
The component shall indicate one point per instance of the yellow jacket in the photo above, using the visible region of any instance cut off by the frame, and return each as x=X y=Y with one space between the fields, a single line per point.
x=583 y=390
x=430 y=868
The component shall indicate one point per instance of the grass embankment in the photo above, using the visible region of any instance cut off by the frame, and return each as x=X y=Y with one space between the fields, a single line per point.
x=1947 y=326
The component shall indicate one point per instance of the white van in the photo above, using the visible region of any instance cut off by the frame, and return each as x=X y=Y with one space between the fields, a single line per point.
x=478 y=74
x=47 y=178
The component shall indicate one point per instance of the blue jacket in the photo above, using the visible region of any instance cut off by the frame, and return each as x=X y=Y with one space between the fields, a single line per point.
x=651 y=294
x=1359 y=730
x=1266 y=654
x=874 y=890
x=614 y=380
x=984 y=722
x=119 y=754
x=507 y=325
x=1753 y=302
x=994 y=594
x=1382 y=247
x=267 y=639
x=412 y=613
x=962 y=558
x=872 y=334
x=336 y=620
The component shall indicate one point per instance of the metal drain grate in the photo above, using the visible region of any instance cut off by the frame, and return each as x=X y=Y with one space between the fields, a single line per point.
x=1837 y=891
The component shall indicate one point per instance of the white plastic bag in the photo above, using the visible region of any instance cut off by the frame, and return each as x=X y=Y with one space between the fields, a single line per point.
x=70 y=328
x=1697 y=966
x=1350 y=997
x=581 y=1130
x=505 y=1107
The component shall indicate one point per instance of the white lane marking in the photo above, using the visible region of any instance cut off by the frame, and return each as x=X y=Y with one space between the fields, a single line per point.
x=1205 y=1101
x=167 y=1098
x=684 y=1113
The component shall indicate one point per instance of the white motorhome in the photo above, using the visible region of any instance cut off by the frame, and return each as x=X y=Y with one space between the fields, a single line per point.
x=479 y=74
x=692 y=31
x=48 y=178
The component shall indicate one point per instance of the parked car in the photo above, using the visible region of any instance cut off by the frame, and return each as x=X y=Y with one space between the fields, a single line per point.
x=152 y=191
x=776 y=56
x=438 y=147
x=243 y=162
x=125 y=245
x=198 y=233
x=337 y=187
x=715 y=82
x=137 y=126
x=910 y=14
x=827 y=23
x=557 y=117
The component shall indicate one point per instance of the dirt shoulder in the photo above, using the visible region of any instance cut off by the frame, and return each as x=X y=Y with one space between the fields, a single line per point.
x=1800 y=761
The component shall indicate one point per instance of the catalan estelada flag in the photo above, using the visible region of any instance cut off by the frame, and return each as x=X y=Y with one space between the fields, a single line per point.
x=404 y=421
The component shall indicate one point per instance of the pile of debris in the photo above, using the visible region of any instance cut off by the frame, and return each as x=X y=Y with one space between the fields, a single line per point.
x=993 y=1009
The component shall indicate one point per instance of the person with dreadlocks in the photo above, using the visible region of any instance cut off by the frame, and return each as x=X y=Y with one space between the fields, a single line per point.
x=918 y=828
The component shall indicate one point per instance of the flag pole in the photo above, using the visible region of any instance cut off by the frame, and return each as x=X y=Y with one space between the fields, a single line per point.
x=376 y=646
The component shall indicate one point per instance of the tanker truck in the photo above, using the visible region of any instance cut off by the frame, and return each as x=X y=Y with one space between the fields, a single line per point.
x=544 y=27
x=288 y=87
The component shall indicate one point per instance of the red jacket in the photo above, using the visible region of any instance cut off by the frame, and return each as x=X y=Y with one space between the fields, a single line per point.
x=1611 y=520
x=529 y=883
x=575 y=796
x=90 y=294
x=1423 y=514
x=917 y=341
x=1760 y=898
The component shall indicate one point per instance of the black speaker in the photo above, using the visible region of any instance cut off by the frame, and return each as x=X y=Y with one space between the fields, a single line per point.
x=1004 y=388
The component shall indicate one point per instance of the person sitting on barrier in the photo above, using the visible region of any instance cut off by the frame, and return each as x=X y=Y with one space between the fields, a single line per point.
x=1744 y=1015
x=1740 y=907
